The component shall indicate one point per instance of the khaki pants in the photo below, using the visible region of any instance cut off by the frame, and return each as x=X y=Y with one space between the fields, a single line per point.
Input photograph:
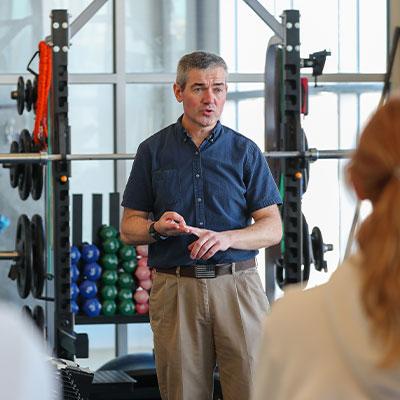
x=198 y=323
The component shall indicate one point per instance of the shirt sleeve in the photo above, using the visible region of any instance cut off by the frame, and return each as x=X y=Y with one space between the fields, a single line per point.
x=261 y=187
x=138 y=194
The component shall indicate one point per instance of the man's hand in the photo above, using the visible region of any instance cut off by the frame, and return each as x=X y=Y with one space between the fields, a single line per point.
x=171 y=224
x=208 y=243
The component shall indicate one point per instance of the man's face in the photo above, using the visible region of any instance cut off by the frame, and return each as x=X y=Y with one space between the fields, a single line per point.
x=203 y=98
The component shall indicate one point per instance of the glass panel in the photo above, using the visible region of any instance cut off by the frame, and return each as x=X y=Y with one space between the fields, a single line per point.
x=159 y=33
x=101 y=345
x=140 y=338
x=149 y=108
x=25 y=23
x=92 y=131
x=321 y=201
x=346 y=33
x=373 y=36
x=244 y=112
x=318 y=31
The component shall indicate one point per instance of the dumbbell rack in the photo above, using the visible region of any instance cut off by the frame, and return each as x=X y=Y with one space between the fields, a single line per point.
x=114 y=217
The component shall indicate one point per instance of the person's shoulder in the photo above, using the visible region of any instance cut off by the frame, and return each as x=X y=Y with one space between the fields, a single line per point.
x=296 y=304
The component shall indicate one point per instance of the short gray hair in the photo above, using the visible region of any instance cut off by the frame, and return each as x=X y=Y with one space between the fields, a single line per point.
x=197 y=60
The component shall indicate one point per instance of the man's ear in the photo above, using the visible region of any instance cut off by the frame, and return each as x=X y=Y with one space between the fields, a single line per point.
x=178 y=92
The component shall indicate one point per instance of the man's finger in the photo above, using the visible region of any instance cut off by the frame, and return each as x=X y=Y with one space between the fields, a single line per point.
x=194 y=230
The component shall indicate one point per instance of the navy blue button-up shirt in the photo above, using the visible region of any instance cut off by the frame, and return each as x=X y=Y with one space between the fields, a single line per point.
x=216 y=187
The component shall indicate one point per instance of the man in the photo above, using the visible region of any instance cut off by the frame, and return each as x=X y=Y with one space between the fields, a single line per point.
x=204 y=184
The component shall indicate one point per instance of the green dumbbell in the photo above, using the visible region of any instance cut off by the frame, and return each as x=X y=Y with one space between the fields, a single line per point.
x=108 y=307
x=109 y=292
x=125 y=294
x=108 y=232
x=125 y=281
x=127 y=252
x=109 y=261
x=129 y=266
x=111 y=245
x=126 y=307
x=109 y=277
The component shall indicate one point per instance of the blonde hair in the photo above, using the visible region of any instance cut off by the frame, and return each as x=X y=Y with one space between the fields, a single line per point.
x=375 y=165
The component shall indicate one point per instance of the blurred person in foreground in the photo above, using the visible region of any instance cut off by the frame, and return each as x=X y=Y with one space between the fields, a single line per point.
x=25 y=369
x=341 y=340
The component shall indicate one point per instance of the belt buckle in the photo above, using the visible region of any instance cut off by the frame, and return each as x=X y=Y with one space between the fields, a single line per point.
x=204 y=271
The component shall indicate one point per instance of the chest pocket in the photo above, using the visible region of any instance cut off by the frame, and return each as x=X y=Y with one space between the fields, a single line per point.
x=166 y=187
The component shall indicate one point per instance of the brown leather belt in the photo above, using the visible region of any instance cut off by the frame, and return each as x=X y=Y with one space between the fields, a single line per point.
x=208 y=271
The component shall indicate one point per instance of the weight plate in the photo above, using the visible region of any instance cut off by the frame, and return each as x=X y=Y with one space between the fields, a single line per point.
x=23 y=246
x=38 y=317
x=25 y=178
x=37 y=181
x=272 y=111
x=318 y=249
x=20 y=95
x=15 y=169
x=28 y=95
x=27 y=312
x=306 y=166
x=38 y=256
x=34 y=93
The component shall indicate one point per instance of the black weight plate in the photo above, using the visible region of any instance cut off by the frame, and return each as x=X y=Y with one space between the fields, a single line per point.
x=38 y=317
x=15 y=169
x=34 y=93
x=318 y=248
x=25 y=178
x=20 y=95
x=27 y=312
x=37 y=181
x=28 y=95
x=306 y=164
x=23 y=246
x=38 y=256
x=272 y=110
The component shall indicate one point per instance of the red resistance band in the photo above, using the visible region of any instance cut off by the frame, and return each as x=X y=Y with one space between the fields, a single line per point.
x=44 y=82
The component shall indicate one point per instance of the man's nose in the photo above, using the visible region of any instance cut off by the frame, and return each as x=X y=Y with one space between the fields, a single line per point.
x=208 y=96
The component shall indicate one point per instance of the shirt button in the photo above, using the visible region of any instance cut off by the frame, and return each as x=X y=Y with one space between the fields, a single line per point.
x=199 y=199
x=197 y=176
x=196 y=152
x=201 y=223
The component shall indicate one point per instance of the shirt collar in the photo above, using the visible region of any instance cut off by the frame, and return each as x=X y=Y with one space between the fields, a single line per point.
x=214 y=134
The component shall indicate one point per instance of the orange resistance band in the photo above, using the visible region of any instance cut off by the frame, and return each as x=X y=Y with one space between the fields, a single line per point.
x=43 y=89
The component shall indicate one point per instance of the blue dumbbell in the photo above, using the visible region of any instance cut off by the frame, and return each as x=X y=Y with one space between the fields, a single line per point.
x=74 y=307
x=74 y=272
x=92 y=271
x=92 y=307
x=88 y=289
x=74 y=291
x=75 y=255
x=4 y=222
x=90 y=253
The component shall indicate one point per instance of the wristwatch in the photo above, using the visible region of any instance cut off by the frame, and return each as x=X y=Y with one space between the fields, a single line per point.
x=154 y=234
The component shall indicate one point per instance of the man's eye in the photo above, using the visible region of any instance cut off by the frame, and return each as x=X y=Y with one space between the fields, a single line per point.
x=197 y=90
